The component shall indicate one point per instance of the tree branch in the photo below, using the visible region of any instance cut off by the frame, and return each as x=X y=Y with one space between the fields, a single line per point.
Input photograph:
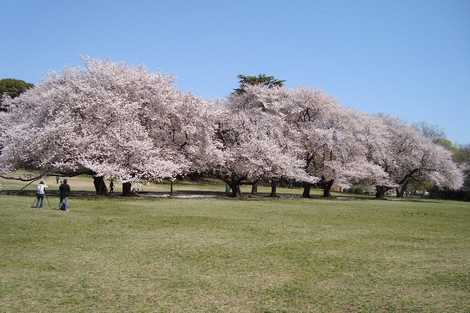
x=24 y=179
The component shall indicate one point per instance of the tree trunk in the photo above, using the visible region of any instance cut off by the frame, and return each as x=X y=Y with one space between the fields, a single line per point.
x=254 y=188
x=126 y=189
x=401 y=190
x=235 y=186
x=380 y=192
x=171 y=187
x=327 y=188
x=100 y=186
x=273 y=188
x=307 y=187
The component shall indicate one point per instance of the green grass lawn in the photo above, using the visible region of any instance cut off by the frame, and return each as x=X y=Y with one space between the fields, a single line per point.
x=216 y=255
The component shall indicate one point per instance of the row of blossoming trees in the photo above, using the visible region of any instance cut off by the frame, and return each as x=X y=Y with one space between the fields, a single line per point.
x=116 y=121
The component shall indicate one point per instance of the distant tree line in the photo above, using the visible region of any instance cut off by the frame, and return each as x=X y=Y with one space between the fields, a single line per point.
x=120 y=122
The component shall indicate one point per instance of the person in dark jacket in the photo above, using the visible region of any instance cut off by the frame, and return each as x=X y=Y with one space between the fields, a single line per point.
x=64 y=191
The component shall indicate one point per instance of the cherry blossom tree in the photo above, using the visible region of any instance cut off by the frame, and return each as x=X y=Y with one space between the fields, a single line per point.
x=406 y=155
x=372 y=134
x=105 y=119
x=328 y=135
x=252 y=141
x=122 y=122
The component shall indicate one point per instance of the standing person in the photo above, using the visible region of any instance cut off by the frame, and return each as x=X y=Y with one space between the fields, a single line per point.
x=64 y=191
x=111 y=186
x=57 y=179
x=40 y=193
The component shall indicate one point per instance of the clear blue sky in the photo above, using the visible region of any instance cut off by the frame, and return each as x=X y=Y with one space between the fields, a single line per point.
x=406 y=58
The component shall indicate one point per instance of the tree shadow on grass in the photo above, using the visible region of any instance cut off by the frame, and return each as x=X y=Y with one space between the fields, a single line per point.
x=201 y=194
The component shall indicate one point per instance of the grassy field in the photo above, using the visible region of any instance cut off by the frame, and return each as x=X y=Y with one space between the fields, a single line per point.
x=222 y=255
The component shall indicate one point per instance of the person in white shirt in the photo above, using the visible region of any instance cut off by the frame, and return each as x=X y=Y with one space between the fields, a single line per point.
x=40 y=193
